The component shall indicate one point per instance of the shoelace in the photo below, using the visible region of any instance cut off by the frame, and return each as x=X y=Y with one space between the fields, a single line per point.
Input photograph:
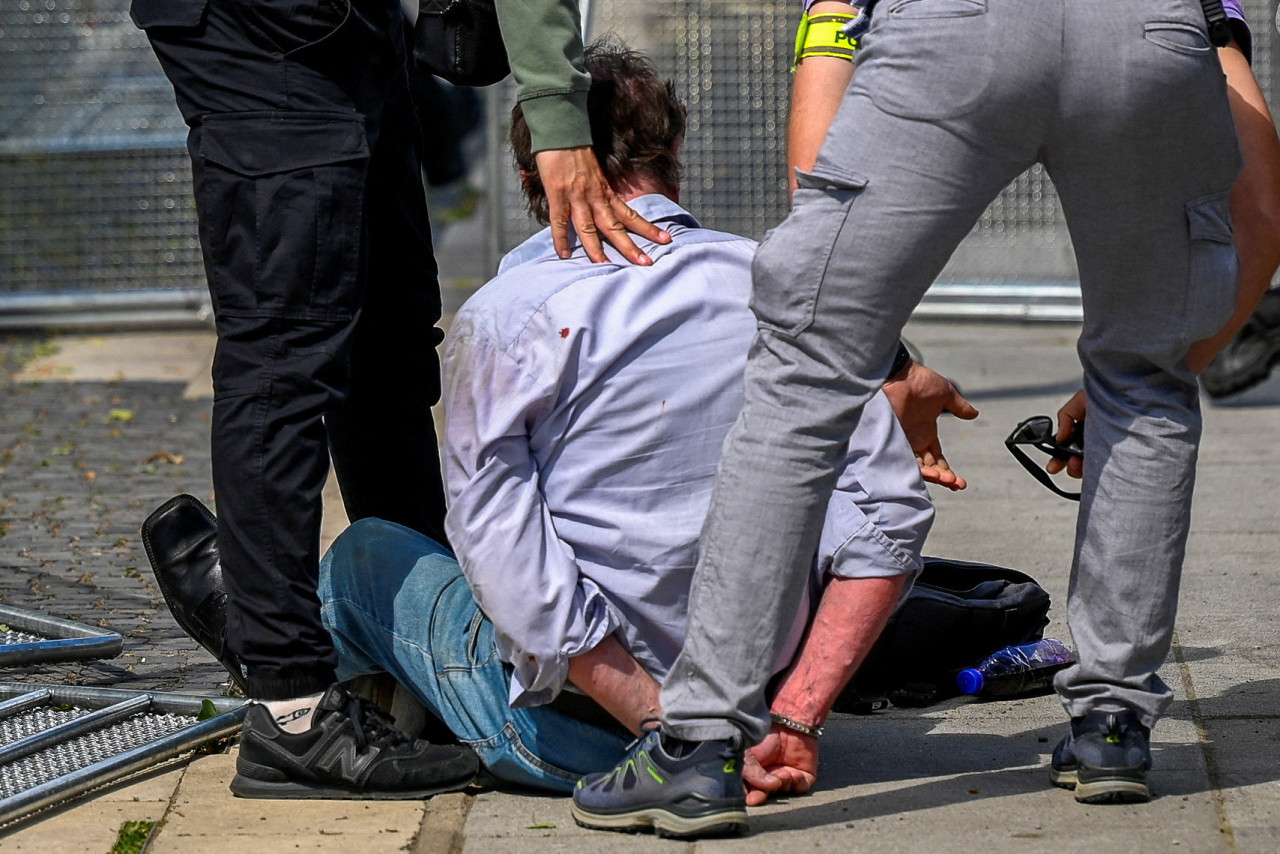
x=647 y=726
x=372 y=725
x=1115 y=725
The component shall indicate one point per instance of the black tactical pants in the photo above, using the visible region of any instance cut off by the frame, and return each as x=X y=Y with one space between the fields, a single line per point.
x=318 y=255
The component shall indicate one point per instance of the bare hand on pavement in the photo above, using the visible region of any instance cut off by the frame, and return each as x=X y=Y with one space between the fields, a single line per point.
x=785 y=761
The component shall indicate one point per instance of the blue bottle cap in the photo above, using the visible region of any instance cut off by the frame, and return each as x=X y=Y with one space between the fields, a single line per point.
x=970 y=681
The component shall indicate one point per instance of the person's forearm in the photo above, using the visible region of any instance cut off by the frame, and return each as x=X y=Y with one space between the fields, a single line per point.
x=613 y=678
x=852 y=614
x=544 y=45
x=1255 y=201
x=816 y=93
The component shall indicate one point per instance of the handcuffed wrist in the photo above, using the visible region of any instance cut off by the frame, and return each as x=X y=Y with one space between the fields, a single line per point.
x=785 y=722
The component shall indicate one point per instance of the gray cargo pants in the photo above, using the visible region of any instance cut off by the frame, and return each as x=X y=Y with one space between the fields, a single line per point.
x=1125 y=104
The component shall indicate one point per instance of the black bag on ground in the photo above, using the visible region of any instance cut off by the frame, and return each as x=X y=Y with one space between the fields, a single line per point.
x=459 y=40
x=957 y=614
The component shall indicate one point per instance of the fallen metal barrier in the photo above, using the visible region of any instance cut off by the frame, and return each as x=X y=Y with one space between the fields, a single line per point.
x=28 y=637
x=58 y=742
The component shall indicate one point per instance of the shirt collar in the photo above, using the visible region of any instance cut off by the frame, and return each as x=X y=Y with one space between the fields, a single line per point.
x=654 y=207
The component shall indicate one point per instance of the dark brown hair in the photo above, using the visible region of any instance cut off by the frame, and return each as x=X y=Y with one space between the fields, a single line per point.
x=636 y=123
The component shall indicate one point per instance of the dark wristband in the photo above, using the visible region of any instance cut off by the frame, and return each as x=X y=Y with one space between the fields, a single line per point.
x=900 y=360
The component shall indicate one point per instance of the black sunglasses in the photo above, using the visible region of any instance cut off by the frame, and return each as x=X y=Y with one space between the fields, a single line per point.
x=1040 y=433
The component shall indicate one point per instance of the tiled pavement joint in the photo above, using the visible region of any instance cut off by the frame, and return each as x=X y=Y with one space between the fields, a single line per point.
x=443 y=828
x=1206 y=746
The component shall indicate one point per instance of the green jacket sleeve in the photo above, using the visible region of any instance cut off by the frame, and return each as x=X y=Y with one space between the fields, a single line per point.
x=544 y=44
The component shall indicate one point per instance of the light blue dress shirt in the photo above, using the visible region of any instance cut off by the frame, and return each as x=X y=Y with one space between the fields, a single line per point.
x=586 y=406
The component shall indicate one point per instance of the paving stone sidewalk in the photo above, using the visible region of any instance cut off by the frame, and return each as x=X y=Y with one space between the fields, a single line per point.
x=81 y=465
x=961 y=776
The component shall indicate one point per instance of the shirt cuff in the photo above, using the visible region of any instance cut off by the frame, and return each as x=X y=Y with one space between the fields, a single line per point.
x=537 y=679
x=870 y=554
x=557 y=120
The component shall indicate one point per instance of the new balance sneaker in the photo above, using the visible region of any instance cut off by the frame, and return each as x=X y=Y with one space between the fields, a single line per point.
x=696 y=792
x=1105 y=759
x=1247 y=360
x=352 y=750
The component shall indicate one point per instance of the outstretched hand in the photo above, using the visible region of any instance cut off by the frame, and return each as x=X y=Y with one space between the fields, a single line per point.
x=578 y=193
x=785 y=761
x=918 y=396
x=1071 y=412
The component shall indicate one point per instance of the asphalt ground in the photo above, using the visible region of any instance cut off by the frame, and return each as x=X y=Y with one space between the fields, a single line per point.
x=97 y=430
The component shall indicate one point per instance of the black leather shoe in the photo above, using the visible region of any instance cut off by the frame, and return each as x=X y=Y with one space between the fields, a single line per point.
x=1248 y=359
x=180 y=538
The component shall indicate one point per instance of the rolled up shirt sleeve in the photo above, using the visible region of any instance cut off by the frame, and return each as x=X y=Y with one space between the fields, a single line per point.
x=880 y=512
x=524 y=577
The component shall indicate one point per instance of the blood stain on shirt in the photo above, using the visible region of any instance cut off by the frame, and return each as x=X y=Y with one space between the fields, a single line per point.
x=564 y=333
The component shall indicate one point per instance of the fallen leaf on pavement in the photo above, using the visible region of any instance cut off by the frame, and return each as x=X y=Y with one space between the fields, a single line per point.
x=164 y=457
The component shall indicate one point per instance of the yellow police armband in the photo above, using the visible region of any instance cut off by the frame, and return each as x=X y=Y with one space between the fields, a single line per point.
x=823 y=35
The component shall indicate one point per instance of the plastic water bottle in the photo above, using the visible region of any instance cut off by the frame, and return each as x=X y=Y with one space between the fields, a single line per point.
x=1016 y=669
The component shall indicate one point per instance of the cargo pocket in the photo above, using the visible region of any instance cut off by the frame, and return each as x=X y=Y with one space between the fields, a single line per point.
x=147 y=14
x=931 y=59
x=1214 y=268
x=281 y=200
x=791 y=262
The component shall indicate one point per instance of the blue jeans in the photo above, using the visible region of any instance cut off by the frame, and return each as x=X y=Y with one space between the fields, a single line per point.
x=396 y=601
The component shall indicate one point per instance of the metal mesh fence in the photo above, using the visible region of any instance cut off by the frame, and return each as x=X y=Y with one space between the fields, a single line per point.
x=97 y=186
x=92 y=160
x=37 y=720
x=79 y=752
x=11 y=636
x=730 y=62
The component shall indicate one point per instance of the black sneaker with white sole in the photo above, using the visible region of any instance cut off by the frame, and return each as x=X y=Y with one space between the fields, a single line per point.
x=352 y=750
x=1105 y=759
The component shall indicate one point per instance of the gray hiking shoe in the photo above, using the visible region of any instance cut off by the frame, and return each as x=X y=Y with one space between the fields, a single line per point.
x=697 y=793
x=1105 y=759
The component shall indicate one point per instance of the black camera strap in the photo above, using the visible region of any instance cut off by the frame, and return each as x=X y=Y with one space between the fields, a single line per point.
x=1219 y=26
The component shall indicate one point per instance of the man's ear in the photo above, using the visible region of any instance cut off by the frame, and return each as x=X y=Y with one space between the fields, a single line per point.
x=675 y=145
